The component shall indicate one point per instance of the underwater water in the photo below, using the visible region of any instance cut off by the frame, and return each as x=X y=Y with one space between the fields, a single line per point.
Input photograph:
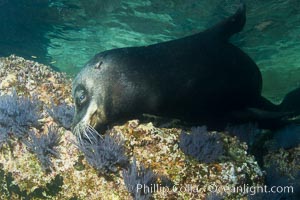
x=66 y=34
x=41 y=157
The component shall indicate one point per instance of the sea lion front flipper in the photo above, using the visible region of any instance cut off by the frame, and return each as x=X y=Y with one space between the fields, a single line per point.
x=233 y=24
x=267 y=115
x=264 y=118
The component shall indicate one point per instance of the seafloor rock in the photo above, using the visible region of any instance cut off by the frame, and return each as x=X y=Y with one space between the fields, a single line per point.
x=29 y=78
x=71 y=177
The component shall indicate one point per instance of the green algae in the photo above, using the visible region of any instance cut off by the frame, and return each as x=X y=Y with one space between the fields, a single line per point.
x=10 y=190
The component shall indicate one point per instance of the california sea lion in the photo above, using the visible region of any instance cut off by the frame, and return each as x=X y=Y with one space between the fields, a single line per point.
x=200 y=78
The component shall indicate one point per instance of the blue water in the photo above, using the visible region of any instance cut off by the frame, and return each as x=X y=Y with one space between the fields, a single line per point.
x=66 y=34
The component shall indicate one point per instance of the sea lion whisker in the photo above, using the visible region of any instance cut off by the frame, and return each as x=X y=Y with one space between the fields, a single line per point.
x=93 y=130
x=81 y=131
x=77 y=133
x=87 y=134
x=92 y=135
x=75 y=130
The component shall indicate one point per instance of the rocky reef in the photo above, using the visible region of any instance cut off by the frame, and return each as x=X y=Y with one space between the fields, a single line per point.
x=46 y=162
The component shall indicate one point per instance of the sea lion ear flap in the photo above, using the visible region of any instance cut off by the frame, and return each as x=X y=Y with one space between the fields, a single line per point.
x=98 y=65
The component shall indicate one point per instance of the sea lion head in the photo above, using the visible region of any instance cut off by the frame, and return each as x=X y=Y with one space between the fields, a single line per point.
x=88 y=91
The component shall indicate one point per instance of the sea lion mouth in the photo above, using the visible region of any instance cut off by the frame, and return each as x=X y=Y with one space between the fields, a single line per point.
x=88 y=127
x=94 y=119
x=85 y=132
x=85 y=128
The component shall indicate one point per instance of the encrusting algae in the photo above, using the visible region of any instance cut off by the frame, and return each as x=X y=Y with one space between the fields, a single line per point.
x=22 y=176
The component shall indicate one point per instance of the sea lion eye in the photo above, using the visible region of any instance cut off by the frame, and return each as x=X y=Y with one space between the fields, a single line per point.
x=82 y=98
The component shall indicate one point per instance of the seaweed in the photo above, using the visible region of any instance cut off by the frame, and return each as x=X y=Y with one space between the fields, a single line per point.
x=44 y=146
x=18 y=114
x=52 y=189
x=105 y=153
x=138 y=181
x=10 y=190
x=287 y=137
x=244 y=132
x=201 y=145
x=62 y=114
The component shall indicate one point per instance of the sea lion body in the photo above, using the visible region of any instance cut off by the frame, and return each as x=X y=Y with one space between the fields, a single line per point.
x=200 y=78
